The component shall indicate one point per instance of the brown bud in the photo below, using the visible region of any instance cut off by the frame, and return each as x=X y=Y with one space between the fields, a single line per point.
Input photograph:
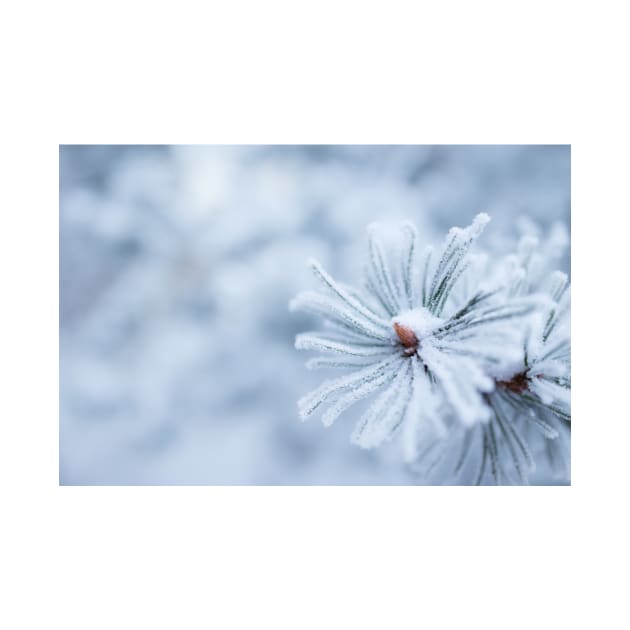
x=406 y=335
x=517 y=384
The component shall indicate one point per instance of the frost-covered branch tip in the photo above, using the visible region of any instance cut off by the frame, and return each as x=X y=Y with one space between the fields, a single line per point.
x=466 y=357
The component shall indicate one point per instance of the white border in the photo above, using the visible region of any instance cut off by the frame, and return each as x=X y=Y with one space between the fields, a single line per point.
x=313 y=557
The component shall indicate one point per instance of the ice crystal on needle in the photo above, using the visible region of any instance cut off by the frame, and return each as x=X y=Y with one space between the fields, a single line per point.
x=450 y=346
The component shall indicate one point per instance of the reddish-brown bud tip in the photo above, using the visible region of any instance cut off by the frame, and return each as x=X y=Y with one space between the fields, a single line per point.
x=406 y=335
x=517 y=384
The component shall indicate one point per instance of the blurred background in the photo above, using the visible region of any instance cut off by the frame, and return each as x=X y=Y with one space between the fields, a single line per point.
x=176 y=267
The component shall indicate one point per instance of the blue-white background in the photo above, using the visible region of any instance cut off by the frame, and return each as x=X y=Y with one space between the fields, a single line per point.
x=176 y=267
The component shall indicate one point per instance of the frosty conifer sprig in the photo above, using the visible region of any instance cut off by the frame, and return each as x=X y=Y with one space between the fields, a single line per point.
x=409 y=335
x=472 y=361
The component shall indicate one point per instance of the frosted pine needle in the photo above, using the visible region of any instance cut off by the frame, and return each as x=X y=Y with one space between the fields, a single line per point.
x=431 y=351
